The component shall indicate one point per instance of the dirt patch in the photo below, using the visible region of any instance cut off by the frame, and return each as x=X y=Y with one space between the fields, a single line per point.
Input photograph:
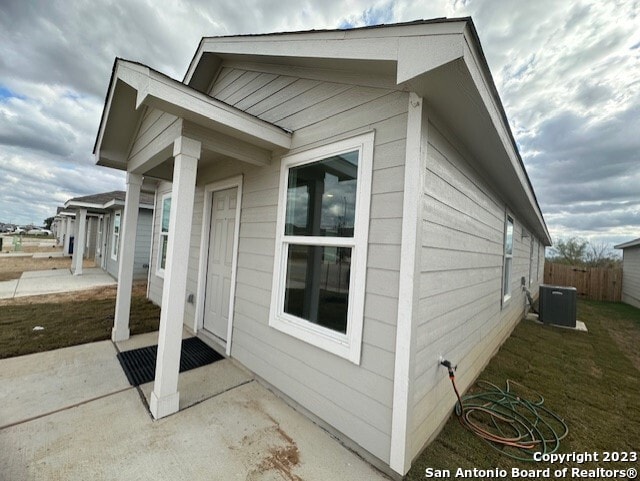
x=13 y=267
x=30 y=244
x=99 y=293
x=38 y=248
x=282 y=459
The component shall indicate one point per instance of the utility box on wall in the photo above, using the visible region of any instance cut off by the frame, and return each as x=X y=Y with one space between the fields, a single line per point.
x=558 y=305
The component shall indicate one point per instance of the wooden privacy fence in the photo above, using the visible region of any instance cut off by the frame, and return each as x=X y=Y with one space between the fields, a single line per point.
x=591 y=283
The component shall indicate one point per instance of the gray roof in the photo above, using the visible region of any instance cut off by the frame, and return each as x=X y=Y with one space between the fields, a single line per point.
x=633 y=243
x=105 y=197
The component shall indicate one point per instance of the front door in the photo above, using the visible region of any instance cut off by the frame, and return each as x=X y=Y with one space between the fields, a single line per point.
x=221 y=241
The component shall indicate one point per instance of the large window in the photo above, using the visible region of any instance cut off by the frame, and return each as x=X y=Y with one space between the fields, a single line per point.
x=163 y=240
x=115 y=238
x=508 y=259
x=319 y=275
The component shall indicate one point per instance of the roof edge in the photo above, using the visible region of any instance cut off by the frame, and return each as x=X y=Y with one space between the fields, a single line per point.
x=631 y=243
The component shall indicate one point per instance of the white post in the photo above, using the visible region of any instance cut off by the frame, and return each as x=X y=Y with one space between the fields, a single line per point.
x=67 y=235
x=129 y=228
x=79 y=242
x=165 y=397
x=59 y=230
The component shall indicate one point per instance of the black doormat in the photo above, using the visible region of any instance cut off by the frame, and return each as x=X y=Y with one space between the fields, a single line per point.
x=140 y=364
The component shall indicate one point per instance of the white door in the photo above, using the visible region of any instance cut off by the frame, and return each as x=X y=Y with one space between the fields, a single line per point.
x=221 y=240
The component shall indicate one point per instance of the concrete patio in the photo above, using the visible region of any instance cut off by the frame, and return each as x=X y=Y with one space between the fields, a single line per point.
x=53 y=281
x=71 y=414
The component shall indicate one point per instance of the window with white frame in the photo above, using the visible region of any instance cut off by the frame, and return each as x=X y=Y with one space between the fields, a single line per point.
x=321 y=245
x=508 y=259
x=163 y=239
x=531 y=257
x=115 y=238
x=87 y=233
x=99 y=241
x=541 y=253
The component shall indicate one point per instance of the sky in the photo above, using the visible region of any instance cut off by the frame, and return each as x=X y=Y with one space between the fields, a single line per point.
x=568 y=74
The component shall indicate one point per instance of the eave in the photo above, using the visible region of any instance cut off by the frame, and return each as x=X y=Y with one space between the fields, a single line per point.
x=134 y=86
x=625 y=245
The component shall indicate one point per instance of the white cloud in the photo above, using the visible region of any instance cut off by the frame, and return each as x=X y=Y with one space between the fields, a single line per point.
x=567 y=73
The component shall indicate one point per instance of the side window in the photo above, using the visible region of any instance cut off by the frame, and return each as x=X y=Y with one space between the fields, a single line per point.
x=99 y=235
x=508 y=259
x=321 y=245
x=163 y=239
x=115 y=238
x=532 y=252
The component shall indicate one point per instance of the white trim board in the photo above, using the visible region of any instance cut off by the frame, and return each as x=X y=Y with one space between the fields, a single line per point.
x=414 y=174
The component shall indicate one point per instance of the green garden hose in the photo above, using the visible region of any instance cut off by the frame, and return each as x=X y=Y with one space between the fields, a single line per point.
x=509 y=422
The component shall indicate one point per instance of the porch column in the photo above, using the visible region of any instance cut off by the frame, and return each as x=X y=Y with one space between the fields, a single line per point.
x=165 y=396
x=129 y=228
x=67 y=235
x=79 y=242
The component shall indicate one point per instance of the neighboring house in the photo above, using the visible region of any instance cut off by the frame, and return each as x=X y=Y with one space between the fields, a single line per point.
x=63 y=228
x=96 y=229
x=630 y=272
x=336 y=210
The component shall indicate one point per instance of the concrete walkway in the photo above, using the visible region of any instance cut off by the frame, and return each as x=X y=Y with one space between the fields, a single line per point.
x=35 y=283
x=70 y=414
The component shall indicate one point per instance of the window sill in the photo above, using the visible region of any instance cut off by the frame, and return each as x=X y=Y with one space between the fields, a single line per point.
x=505 y=300
x=318 y=336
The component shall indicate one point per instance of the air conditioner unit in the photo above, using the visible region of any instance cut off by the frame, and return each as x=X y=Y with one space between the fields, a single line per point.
x=558 y=305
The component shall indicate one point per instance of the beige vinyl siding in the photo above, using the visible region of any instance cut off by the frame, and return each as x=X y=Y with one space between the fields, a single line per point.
x=143 y=244
x=631 y=276
x=90 y=238
x=354 y=400
x=461 y=314
x=156 y=283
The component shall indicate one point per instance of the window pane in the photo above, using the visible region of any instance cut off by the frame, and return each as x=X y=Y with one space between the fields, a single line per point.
x=508 y=247
x=163 y=252
x=321 y=197
x=507 y=276
x=116 y=224
x=317 y=288
x=166 y=211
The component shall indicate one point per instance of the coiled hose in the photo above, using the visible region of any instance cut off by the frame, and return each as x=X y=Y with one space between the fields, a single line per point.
x=510 y=423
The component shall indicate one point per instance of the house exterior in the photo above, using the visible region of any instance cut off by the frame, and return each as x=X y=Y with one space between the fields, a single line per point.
x=63 y=226
x=630 y=272
x=335 y=210
x=95 y=222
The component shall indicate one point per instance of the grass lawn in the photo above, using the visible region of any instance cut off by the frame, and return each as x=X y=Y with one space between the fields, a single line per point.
x=68 y=319
x=591 y=379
